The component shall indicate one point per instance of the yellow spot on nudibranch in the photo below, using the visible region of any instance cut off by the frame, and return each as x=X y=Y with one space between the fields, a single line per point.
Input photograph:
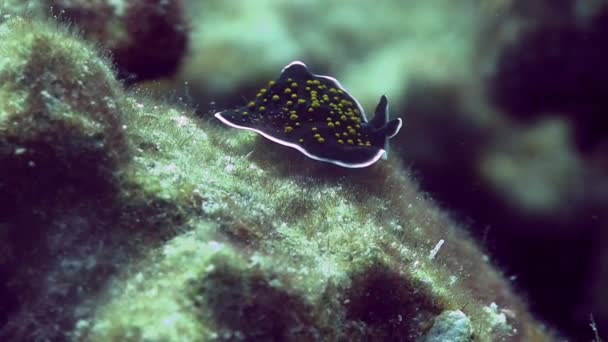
x=340 y=141
x=245 y=113
x=262 y=108
x=314 y=129
x=271 y=83
x=352 y=131
x=316 y=82
x=293 y=116
x=287 y=91
x=294 y=85
x=301 y=140
x=288 y=129
x=288 y=103
x=294 y=96
x=343 y=118
x=350 y=141
x=317 y=135
x=251 y=104
x=301 y=101
x=315 y=104
x=331 y=125
x=308 y=81
x=321 y=140
x=275 y=98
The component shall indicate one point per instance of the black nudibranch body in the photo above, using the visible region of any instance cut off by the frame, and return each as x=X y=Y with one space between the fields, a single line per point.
x=315 y=115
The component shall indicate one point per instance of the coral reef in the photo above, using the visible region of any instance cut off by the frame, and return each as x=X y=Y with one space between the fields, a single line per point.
x=134 y=220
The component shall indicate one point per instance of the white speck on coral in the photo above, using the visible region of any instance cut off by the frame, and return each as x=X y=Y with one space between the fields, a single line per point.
x=229 y=168
x=119 y=6
x=171 y=168
x=496 y=319
x=170 y=321
x=182 y=121
x=435 y=250
x=139 y=277
x=82 y=324
x=215 y=246
x=275 y=283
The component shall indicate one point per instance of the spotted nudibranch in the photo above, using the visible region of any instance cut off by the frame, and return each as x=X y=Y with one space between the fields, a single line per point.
x=315 y=115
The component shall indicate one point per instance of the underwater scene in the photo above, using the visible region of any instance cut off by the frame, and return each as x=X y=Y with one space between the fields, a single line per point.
x=304 y=170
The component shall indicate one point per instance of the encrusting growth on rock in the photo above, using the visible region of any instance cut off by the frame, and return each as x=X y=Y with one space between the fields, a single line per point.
x=147 y=223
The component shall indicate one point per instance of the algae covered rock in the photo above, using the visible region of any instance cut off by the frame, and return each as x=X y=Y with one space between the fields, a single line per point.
x=144 y=222
x=450 y=326
x=60 y=108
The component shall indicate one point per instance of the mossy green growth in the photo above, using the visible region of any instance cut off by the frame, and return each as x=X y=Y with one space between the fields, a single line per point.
x=286 y=248
x=60 y=113
x=210 y=233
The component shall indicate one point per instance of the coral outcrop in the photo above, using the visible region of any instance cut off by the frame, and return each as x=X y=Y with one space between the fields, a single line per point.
x=132 y=220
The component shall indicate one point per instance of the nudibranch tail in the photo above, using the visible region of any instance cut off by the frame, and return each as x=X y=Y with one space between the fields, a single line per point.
x=315 y=115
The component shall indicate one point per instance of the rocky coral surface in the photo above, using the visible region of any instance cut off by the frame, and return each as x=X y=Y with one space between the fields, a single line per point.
x=127 y=219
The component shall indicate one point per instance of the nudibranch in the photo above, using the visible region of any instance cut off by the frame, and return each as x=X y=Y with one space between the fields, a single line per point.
x=315 y=115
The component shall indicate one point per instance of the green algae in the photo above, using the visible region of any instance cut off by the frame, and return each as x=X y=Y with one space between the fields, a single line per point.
x=210 y=233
